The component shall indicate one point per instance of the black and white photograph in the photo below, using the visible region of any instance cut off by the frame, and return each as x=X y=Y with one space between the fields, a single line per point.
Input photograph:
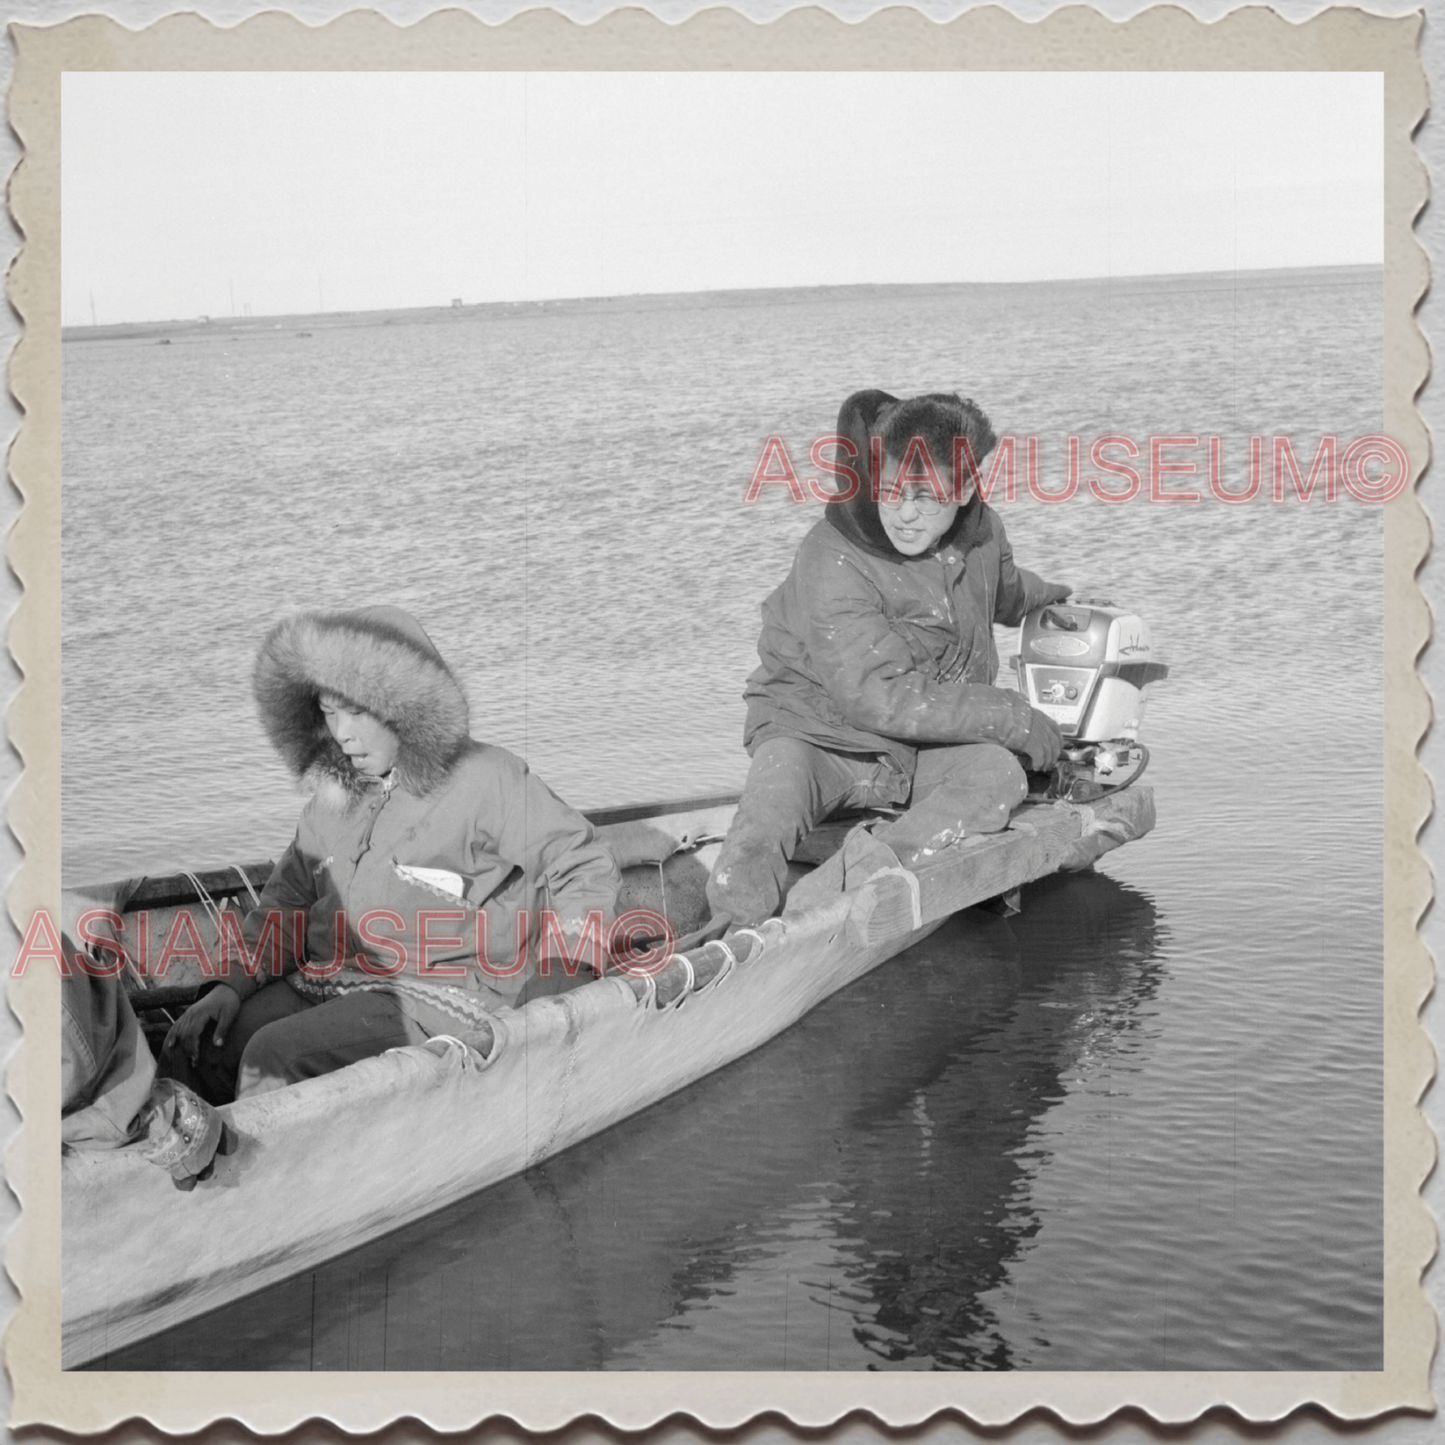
x=724 y=721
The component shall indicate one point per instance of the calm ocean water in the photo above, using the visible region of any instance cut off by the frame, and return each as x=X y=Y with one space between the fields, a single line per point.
x=1136 y=1127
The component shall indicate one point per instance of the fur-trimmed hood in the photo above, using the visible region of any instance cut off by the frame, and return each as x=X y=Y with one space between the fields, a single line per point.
x=378 y=659
x=861 y=416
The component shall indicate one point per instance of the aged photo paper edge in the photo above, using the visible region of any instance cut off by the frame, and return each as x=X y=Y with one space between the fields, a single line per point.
x=1077 y=38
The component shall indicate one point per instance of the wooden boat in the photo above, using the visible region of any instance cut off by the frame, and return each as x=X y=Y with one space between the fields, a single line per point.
x=329 y=1164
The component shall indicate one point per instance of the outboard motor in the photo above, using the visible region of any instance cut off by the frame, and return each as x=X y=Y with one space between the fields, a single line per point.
x=1086 y=664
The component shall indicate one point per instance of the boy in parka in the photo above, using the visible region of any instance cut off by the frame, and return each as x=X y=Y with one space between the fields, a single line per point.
x=877 y=660
x=433 y=879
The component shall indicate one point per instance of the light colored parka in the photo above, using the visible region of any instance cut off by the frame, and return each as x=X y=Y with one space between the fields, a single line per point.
x=436 y=879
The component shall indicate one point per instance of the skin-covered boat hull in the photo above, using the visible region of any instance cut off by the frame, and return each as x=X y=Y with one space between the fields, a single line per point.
x=303 y=1185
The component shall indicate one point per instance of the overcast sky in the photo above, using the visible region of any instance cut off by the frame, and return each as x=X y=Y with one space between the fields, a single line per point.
x=189 y=194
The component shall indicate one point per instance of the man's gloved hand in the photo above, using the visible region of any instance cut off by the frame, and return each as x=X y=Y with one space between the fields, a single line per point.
x=1057 y=592
x=181 y=1132
x=1041 y=751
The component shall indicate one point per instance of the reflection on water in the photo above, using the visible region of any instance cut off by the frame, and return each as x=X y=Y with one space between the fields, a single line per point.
x=848 y=1197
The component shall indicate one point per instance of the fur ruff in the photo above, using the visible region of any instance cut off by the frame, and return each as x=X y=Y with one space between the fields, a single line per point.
x=863 y=414
x=379 y=660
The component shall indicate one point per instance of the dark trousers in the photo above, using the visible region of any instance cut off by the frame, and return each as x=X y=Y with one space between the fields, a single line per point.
x=793 y=785
x=281 y=1037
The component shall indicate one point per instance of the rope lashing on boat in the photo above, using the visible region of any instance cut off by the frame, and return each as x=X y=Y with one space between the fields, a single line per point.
x=686 y=844
x=647 y=999
x=211 y=907
x=729 y=962
x=741 y=946
x=205 y=899
x=250 y=888
x=677 y=1000
x=473 y=1060
x=215 y=909
x=758 y=947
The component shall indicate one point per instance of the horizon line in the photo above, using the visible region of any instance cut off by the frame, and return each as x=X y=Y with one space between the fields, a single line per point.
x=206 y=319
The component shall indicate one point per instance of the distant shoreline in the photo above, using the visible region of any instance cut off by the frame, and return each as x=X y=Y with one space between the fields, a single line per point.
x=455 y=314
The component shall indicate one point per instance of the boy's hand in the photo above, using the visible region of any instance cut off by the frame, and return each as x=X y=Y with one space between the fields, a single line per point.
x=1044 y=743
x=220 y=1005
x=1058 y=592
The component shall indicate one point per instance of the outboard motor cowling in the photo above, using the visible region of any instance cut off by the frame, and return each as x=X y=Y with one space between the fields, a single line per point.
x=1085 y=664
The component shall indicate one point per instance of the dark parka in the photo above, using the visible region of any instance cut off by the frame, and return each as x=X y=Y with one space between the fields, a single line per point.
x=864 y=650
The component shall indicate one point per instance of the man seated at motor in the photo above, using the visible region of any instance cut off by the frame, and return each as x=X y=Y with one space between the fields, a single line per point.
x=432 y=880
x=875 y=686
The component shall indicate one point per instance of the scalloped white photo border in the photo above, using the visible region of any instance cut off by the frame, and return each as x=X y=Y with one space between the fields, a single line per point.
x=986 y=39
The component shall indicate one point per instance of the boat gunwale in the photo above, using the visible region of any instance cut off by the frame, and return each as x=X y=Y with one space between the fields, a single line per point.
x=143 y=892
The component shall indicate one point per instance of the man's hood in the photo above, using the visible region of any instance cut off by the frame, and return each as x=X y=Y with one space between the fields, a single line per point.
x=857 y=518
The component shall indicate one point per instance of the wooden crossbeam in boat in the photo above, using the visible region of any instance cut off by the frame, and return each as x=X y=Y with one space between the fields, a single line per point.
x=631 y=812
